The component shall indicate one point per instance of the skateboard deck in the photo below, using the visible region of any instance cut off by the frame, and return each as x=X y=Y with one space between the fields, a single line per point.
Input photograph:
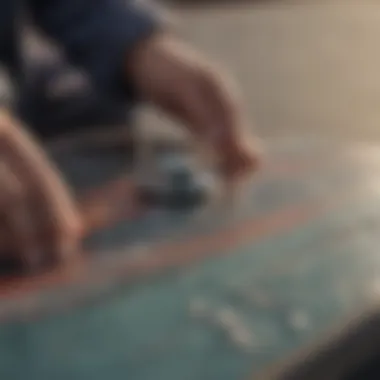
x=213 y=293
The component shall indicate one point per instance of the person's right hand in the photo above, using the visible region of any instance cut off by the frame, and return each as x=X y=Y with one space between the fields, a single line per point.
x=190 y=88
x=39 y=223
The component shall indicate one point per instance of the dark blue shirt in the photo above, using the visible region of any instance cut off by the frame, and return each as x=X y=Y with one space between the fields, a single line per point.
x=95 y=35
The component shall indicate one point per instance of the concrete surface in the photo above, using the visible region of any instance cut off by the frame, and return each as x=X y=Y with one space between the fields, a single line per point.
x=306 y=67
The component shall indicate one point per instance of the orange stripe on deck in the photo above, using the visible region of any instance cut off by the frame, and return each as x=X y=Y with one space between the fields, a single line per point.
x=117 y=199
x=163 y=256
x=219 y=244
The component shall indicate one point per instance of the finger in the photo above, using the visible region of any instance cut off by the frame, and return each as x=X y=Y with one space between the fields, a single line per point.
x=17 y=221
x=210 y=109
x=223 y=105
x=48 y=200
x=57 y=232
x=230 y=132
x=31 y=164
x=63 y=247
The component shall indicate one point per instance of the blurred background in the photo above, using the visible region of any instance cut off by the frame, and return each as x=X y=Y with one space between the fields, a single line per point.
x=306 y=67
x=309 y=67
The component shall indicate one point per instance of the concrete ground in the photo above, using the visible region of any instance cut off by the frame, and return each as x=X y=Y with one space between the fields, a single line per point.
x=305 y=67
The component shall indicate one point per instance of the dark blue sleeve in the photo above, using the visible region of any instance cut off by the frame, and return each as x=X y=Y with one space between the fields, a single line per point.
x=96 y=35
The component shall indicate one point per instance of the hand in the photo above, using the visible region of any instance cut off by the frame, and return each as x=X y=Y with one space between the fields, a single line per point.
x=38 y=218
x=177 y=80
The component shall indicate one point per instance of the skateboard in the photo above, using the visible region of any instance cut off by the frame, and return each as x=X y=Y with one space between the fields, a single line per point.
x=215 y=292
